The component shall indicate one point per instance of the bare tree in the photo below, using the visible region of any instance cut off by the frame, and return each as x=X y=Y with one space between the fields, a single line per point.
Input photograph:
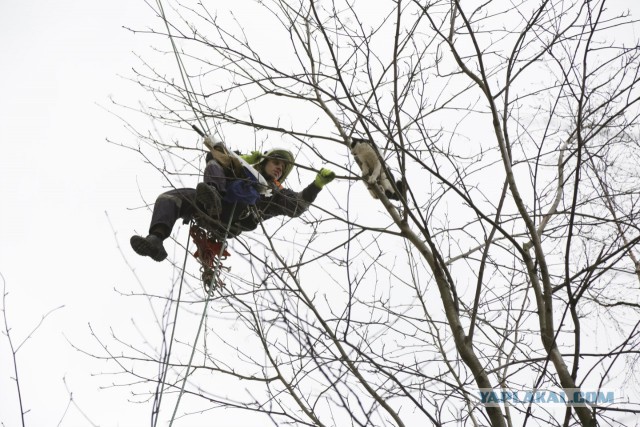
x=511 y=261
x=15 y=347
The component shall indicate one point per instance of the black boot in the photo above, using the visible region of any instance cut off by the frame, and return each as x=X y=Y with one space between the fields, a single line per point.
x=150 y=246
x=208 y=199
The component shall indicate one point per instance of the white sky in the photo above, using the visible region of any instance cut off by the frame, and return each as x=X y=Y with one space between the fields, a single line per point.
x=59 y=62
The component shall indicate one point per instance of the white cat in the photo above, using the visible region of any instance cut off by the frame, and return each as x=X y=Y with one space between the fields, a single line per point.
x=368 y=158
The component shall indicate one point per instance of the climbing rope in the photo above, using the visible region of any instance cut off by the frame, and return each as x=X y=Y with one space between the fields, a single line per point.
x=187 y=83
x=166 y=357
x=168 y=346
x=192 y=101
x=204 y=312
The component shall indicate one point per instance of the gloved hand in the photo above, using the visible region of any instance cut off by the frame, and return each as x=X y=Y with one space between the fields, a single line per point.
x=252 y=158
x=211 y=141
x=324 y=177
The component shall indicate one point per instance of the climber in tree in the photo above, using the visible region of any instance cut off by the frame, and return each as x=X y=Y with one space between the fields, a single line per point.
x=229 y=196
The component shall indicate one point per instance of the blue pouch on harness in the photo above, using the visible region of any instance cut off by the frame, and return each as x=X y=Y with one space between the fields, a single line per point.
x=242 y=191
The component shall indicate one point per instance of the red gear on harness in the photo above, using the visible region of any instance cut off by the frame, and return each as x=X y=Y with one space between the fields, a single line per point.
x=208 y=250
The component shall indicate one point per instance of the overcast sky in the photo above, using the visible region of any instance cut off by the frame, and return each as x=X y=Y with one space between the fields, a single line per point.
x=60 y=179
x=67 y=205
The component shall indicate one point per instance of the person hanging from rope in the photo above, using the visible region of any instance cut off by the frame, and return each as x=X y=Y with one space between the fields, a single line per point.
x=229 y=195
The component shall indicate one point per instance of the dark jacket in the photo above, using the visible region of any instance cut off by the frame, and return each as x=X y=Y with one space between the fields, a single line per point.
x=282 y=201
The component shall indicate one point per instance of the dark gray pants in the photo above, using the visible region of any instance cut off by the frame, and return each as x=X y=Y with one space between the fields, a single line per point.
x=174 y=204
x=181 y=203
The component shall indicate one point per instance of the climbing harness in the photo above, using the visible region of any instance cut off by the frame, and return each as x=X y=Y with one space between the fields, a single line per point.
x=210 y=252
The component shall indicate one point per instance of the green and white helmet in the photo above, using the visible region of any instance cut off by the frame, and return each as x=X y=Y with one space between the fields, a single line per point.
x=280 y=153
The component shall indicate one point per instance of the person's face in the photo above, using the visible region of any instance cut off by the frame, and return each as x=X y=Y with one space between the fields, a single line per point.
x=274 y=168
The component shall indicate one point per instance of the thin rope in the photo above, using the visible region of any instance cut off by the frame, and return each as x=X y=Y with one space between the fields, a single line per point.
x=191 y=100
x=166 y=359
x=204 y=312
x=185 y=81
x=182 y=69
